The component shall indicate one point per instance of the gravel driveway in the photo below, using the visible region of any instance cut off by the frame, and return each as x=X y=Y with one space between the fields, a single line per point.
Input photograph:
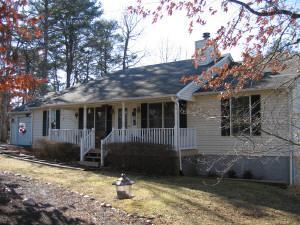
x=24 y=200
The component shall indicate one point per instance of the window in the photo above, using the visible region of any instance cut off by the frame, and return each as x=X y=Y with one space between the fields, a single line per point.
x=133 y=117
x=241 y=116
x=169 y=121
x=183 y=114
x=55 y=121
x=90 y=117
x=155 y=115
x=45 y=123
x=158 y=115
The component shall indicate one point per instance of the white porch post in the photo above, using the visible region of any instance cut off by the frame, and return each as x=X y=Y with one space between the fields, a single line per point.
x=176 y=125
x=49 y=124
x=123 y=122
x=177 y=131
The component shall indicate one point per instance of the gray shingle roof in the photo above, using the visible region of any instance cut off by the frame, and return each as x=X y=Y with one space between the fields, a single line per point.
x=147 y=81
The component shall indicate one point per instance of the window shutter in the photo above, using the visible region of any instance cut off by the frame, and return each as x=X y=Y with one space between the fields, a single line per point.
x=80 y=118
x=45 y=123
x=144 y=112
x=183 y=114
x=225 y=117
x=57 y=119
x=256 y=115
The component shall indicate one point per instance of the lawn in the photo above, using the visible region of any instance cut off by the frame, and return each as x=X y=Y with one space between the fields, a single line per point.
x=179 y=200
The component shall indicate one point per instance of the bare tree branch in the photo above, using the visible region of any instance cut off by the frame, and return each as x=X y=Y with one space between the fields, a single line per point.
x=274 y=11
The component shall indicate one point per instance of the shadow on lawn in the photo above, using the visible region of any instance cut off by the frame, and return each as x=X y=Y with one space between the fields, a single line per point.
x=248 y=197
x=13 y=211
x=240 y=194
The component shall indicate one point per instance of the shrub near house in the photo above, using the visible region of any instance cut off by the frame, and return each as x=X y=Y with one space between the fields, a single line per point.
x=148 y=158
x=58 y=151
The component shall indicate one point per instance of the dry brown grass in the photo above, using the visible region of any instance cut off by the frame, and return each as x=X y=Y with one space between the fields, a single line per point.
x=180 y=200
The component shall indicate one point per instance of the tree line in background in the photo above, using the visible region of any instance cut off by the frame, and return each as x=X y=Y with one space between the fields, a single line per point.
x=49 y=45
x=76 y=42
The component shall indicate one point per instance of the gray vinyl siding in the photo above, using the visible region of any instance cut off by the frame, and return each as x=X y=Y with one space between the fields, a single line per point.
x=68 y=119
x=205 y=115
x=37 y=131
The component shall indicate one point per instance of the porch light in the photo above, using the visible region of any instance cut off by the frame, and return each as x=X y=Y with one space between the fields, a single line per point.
x=99 y=114
x=76 y=115
x=124 y=187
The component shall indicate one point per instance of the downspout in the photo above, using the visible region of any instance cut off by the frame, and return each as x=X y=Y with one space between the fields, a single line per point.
x=176 y=131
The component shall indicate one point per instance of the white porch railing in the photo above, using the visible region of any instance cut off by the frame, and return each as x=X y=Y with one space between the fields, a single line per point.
x=187 y=138
x=107 y=140
x=145 y=135
x=83 y=137
x=72 y=136
x=87 y=143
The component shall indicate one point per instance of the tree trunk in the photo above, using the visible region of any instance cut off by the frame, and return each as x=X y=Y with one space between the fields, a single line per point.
x=125 y=52
x=46 y=40
x=3 y=117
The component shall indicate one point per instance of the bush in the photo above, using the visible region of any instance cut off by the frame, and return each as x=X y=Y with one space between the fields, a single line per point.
x=57 y=151
x=212 y=174
x=141 y=157
x=248 y=174
x=231 y=174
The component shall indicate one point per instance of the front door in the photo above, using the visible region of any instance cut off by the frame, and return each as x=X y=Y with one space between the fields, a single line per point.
x=103 y=122
x=99 y=118
x=24 y=131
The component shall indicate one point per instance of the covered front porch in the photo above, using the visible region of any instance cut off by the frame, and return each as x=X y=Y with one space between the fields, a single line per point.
x=162 y=121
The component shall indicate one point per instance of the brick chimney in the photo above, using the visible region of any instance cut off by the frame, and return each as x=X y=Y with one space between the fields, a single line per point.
x=208 y=58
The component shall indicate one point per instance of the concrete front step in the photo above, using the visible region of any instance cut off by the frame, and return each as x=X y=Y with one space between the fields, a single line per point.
x=95 y=150
x=93 y=154
x=92 y=158
x=89 y=164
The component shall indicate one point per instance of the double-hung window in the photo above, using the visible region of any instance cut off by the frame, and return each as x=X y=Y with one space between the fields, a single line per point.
x=241 y=116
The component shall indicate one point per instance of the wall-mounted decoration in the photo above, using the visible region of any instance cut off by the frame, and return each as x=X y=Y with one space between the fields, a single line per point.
x=22 y=128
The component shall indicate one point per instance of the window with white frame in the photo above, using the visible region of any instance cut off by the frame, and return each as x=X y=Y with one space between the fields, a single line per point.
x=241 y=116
